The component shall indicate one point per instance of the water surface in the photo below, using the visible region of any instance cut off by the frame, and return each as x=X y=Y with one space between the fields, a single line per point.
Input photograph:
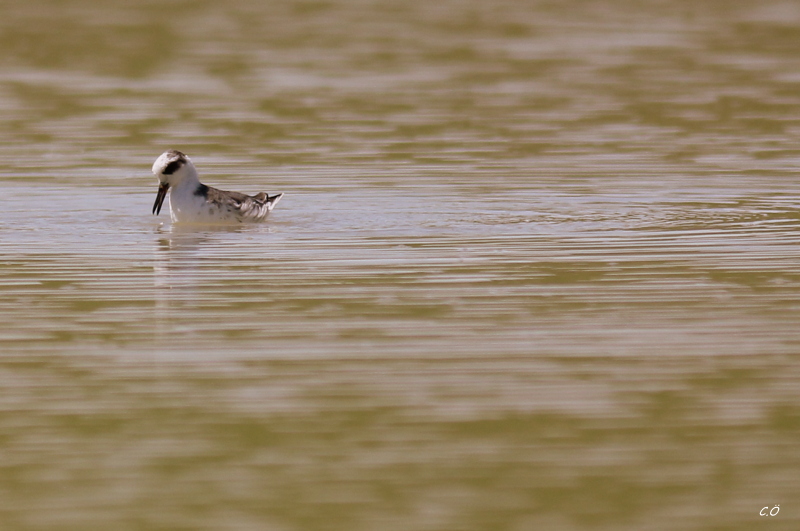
x=536 y=267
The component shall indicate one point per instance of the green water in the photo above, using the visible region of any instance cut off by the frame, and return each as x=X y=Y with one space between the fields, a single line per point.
x=536 y=266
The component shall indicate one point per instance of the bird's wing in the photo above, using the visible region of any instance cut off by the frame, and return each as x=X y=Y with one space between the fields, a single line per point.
x=244 y=207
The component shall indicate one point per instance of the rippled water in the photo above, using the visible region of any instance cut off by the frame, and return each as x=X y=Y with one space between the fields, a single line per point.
x=536 y=266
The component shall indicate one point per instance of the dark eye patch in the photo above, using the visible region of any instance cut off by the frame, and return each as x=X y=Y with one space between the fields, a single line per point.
x=173 y=166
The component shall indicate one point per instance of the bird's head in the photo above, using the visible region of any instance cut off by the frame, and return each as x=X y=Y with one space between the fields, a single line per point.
x=171 y=168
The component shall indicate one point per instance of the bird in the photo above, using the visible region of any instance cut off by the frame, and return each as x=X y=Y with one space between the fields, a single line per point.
x=193 y=202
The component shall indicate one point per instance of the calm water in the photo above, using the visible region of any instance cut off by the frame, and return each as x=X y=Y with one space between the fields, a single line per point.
x=536 y=268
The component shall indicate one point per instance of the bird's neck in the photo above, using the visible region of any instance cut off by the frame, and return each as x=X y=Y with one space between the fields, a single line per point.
x=190 y=180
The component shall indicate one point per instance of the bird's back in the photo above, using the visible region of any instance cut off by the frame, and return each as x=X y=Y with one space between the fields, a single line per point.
x=238 y=206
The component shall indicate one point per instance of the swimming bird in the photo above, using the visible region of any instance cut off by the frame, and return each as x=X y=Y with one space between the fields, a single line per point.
x=192 y=201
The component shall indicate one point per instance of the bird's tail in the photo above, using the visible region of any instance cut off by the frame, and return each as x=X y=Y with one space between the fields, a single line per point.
x=272 y=200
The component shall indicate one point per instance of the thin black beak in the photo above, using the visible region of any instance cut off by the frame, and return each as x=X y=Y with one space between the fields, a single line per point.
x=162 y=193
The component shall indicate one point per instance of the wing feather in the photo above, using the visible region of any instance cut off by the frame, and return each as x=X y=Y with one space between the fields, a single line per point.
x=242 y=206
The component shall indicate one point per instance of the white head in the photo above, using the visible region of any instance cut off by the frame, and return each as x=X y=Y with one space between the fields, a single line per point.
x=171 y=168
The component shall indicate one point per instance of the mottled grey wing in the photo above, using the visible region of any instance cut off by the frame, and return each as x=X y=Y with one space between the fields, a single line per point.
x=244 y=207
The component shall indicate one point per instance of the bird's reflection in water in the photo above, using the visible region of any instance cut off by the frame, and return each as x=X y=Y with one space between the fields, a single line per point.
x=185 y=258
